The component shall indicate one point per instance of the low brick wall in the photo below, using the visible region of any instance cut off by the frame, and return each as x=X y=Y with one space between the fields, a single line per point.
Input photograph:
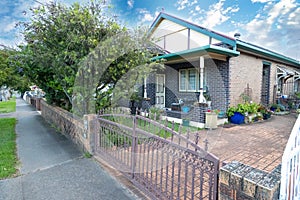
x=80 y=131
x=241 y=182
x=196 y=114
x=34 y=101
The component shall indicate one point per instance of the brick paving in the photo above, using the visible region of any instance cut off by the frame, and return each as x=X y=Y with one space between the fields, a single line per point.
x=260 y=145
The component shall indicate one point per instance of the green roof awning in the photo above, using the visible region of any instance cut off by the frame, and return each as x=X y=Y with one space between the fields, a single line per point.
x=198 y=52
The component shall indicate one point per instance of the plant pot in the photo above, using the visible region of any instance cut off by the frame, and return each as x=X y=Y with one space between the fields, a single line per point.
x=185 y=122
x=208 y=104
x=132 y=106
x=266 y=116
x=211 y=120
x=250 y=118
x=185 y=109
x=237 y=118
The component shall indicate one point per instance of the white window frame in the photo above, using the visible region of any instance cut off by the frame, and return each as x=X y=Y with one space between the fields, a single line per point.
x=186 y=85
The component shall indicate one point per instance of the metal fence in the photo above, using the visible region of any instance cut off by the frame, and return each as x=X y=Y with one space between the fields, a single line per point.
x=290 y=170
x=158 y=159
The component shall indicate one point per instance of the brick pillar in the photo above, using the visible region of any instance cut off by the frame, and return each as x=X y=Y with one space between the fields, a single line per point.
x=91 y=127
x=199 y=113
x=38 y=103
x=239 y=181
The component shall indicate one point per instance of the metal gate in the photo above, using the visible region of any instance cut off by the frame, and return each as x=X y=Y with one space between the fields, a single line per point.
x=159 y=160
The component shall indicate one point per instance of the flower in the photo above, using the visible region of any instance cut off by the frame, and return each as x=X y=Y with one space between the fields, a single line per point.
x=217 y=111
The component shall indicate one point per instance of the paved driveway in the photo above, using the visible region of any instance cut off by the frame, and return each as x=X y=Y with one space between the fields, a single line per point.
x=260 y=145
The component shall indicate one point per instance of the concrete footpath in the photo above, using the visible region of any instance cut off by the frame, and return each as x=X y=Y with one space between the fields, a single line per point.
x=51 y=166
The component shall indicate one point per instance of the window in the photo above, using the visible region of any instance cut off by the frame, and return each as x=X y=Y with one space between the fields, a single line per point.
x=182 y=80
x=192 y=80
x=189 y=80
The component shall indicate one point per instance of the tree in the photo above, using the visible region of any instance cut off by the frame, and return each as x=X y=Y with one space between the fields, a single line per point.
x=112 y=71
x=11 y=72
x=61 y=53
x=5 y=71
x=58 y=38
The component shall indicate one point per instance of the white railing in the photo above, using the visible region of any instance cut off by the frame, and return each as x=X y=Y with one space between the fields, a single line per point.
x=290 y=169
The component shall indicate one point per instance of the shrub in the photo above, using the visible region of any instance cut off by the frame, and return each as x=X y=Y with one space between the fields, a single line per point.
x=245 y=108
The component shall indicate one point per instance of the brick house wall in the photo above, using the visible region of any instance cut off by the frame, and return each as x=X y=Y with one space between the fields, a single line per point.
x=151 y=89
x=245 y=69
x=218 y=83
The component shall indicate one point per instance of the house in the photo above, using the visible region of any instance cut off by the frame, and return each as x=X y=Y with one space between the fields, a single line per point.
x=201 y=62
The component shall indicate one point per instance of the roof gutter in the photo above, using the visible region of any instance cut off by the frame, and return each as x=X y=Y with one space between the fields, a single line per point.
x=278 y=57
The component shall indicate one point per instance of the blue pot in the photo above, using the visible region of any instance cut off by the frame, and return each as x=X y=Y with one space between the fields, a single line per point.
x=185 y=109
x=237 y=118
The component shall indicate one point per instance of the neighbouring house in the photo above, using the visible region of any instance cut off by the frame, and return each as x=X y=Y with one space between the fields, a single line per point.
x=201 y=63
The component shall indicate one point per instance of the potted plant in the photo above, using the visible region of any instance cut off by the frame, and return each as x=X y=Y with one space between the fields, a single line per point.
x=235 y=115
x=266 y=114
x=185 y=122
x=208 y=99
x=273 y=107
x=133 y=104
x=253 y=114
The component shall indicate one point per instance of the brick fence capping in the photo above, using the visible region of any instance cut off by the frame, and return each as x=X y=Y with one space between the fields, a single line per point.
x=239 y=181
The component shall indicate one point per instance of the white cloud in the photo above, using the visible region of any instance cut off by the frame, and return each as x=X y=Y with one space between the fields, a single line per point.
x=277 y=27
x=197 y=8
x=11 y=39
x=218 y=14
x=145 y=15
x=183 y=4
x=261 y=1
x=7 y=24
x=10 y=26
x=234 y=9
x=130 y=3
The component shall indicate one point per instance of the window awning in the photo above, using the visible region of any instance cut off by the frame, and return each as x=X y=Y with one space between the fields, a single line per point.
x=286 y=72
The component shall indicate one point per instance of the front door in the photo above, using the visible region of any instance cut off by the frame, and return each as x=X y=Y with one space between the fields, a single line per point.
x=160 y=91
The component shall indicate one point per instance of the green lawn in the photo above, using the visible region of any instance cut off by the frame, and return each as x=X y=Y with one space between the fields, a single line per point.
x=141 y=124
x=8 y=106
x=8 y=157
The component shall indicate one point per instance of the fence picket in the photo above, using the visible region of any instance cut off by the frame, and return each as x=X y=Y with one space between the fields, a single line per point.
x=290 y=167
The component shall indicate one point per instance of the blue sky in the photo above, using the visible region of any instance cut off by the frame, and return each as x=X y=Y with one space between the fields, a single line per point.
x=273 y=24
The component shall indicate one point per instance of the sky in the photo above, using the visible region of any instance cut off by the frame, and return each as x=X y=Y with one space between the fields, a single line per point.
x=272 y=24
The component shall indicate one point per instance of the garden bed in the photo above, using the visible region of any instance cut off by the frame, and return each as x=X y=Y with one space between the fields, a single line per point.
x=248 y=113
